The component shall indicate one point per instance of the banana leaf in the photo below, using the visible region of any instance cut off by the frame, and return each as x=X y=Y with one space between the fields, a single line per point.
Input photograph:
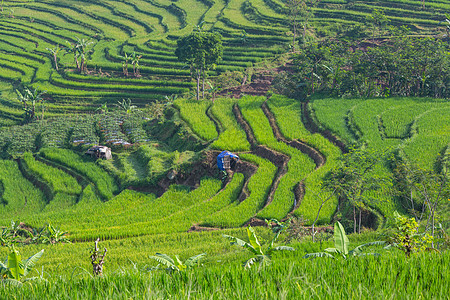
x=15 y=265
x=191 y=261
x=340 y=238
x=318 y=254
x=31 y=261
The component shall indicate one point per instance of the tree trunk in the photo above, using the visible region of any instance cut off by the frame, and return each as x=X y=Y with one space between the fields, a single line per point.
x=198 y=85
x=56 y=61
x=203 y=84
x=293 y=39
x=354 y=219
x=359 y=222
x=304 y=33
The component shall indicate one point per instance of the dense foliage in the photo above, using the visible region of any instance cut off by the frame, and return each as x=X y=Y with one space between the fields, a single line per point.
x=400 y=66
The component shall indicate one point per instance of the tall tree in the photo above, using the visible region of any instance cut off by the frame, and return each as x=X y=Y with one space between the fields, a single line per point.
x=201 y=51
x=82 y=46
x=300 y=12
x=378 y=20
x=425 y=190
x=355 y=177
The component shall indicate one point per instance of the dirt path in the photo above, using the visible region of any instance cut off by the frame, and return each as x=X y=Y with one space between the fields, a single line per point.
x=259 y=85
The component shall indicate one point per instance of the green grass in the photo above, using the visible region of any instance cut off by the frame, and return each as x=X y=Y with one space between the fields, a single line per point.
x=390 y=275
x=19 y=196
x=103 y=182
x=288 y=116
x=194 y=113
x=298 y=167
x=231 y=137
x=258 y=186
x=57 y=179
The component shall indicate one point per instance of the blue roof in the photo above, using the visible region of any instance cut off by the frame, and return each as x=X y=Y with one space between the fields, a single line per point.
x=221 y=156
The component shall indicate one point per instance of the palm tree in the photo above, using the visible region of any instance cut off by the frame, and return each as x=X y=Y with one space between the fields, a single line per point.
x=54 y=52
x=135 y=62
x=72 y=48
x=81 y=46
x=125 y=64
x=213 y=90
x=126 y=105
x=14 y=269
x=341 y=246
x=31 y=97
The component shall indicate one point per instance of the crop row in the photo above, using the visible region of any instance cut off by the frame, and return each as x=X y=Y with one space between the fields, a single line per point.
x=127 y=81
x=84 y=131
x=431 y=138
x=288 y=117
x=132 y=126
x=298 y=167
x=175 y=211
x=231 y=137
x=109 y=126
x=258 y=186
x=19 y=196
x=194 y=113
x=58 y=180
x=135 y=212
x=56 y=133
x=104 y=183
x=59 y=81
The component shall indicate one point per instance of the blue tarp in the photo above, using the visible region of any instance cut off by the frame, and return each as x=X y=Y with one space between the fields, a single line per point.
x=220 y=157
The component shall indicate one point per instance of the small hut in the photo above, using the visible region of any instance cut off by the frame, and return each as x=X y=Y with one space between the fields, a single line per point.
x=102 y=152
x=227 y=161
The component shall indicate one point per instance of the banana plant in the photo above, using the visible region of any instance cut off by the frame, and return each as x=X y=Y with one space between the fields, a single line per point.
x=14 y=270
x=126 y=105
x=263 y=257
x=54 y=52
x=341 y=246
x=30 y=97
x=177 y=264
x=53 y=235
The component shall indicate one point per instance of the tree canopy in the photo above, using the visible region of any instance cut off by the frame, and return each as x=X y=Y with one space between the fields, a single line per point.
x=201 y=51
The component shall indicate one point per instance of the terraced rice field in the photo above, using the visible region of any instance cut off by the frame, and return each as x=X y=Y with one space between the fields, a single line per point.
x=252 y=30
x=284 y=163
x=286 y=147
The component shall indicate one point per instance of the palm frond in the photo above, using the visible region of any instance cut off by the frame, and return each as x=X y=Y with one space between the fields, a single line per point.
x=31 y=261
x=164 y=259
x=283 y=248
x=191 y=261
x=250 y=262
x=318 y=254
x=358 y=250
x=254 y=240
x=12 y=282
x=239 y=242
